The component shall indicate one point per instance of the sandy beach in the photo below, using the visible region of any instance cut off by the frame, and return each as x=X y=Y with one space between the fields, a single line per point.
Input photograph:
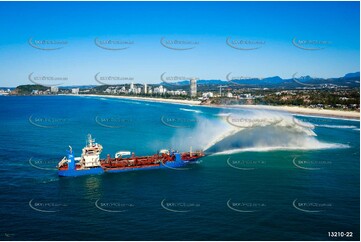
x=162 y=100
x=290 y=109
x=306 y=111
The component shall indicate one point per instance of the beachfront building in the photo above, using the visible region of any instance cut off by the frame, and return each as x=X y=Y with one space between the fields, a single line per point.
x=4 y=92
x=75 y=90
x=207 y=95
x=54 y=89
x=132 y=88
x=245 y=96
x=178 y=92
x=160 y=90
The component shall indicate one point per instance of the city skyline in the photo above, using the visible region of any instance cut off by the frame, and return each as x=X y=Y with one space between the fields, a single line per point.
x=120 y=40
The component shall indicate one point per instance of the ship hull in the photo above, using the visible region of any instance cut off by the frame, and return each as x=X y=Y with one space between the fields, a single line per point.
x=90 y=163
x=101 y=170
x=81 y=172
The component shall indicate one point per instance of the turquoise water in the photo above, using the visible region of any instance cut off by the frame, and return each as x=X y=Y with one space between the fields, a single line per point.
x=270 y=182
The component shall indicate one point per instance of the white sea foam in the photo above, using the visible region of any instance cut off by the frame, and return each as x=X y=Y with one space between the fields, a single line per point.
x=190 y=110
x=336 y=126
x=222 y=114
x=321 y=146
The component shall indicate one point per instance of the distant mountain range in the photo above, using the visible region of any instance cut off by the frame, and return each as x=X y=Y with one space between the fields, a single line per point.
x=349 y=80
x=352 y=75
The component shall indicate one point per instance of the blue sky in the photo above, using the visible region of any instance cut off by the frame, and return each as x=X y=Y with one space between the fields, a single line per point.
x=334 y=25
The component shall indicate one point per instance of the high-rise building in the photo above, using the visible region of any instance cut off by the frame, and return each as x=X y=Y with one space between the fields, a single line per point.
x=75 y=90
x=145 y=88
x=229 y=94
x=54 y=89
x=193 y=87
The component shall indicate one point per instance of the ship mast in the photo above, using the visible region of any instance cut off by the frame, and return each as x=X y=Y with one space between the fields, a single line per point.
x=90 y=141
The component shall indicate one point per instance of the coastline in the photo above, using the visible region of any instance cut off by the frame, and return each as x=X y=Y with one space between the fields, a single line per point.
x=149 y=99
x=306 y=111
x=294 y=110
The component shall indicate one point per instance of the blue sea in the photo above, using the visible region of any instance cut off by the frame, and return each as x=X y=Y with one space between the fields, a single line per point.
x=266 y=176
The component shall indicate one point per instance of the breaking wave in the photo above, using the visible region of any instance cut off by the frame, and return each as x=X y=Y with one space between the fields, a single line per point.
x=190 y=110
x=337 y=126
x=321 y=146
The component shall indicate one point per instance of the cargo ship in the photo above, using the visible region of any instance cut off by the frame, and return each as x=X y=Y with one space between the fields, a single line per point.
x=90 y=162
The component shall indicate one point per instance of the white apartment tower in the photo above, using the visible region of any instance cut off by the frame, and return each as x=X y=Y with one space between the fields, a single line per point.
x=193 y=87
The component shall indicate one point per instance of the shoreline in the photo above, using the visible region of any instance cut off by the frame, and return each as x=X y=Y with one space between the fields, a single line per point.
x=150 y=99
x=307 y=111
x=290 y=109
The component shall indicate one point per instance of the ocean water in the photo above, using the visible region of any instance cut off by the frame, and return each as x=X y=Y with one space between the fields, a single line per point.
x=266 y=176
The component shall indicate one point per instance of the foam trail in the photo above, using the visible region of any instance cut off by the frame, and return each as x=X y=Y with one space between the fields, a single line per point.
x=266 y=149
x=337 y=126
x=190 y=110
x=222 y=114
